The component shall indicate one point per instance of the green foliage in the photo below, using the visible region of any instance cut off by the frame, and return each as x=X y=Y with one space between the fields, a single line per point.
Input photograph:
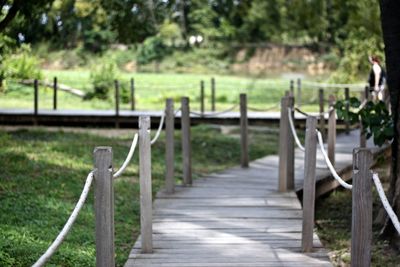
x=152 y=49
x=375 y=118
x=103 y=81
x=97 y=40
x=21 y=65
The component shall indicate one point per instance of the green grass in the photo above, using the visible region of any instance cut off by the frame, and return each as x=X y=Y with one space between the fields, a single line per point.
x=333 y=222
x=153 y=89
x=43 y=174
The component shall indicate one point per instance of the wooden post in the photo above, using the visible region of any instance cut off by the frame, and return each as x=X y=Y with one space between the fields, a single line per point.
x=35 y=97
x=244 y=140
x=291 y=88
x=169 y=146
x=321 y=111
x=212 y=94
x=116 y=103
x=286 y=146
x=347 y=106
x=310 y=164
x=116 y=98
x=146 y=213
x=202 y=97
x=55 y=87
x=104 y=206
x=361 y=226
x=363 y=138
x=331 y=130
x=132 y=94
x=298 y=99
x=186 y=145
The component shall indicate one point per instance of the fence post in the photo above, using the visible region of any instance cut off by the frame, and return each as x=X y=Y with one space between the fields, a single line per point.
x=310 y=163
x=331 y=130
x=321 y=111
x=244 y=155
x=146 y=226
x=298 y=99
x=361 y=225
x=347 y=106
x=116 y=103
x=104 y=206
x=291 y=87
x=212 y=94
x=186 y=145
x=169 y=145
x=363 y=138
x=286 y=147
x=55 y=87
x=35 y=97
x=202 y=97
x=132 y=94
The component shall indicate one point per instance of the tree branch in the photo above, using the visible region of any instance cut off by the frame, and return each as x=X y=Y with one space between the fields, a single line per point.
x=12 y=12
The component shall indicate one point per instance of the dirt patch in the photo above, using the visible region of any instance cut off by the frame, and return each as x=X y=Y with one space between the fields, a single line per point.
x=274 y=59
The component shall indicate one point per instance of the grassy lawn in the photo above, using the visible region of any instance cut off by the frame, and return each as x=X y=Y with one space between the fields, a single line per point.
x=333 y=222
x=152 y=90
x=44 y=171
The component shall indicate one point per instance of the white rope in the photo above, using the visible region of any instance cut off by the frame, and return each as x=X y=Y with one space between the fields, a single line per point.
x=296 y=138
x=61 y=236
x=214 y=113
x=159 y=129
x=128 y=158
x=329 y=164
x=177 y=111
x=334 y=85
x=385 y=202
x=363 y=104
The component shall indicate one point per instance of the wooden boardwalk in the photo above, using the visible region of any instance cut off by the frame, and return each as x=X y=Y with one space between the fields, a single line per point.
x=128 y=119
x=237 y=218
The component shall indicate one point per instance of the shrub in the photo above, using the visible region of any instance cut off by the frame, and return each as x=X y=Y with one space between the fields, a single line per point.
x=152 y=49
x=102 y=79
x=22 y=65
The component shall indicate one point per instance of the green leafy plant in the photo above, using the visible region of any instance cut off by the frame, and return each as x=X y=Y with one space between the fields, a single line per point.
x=102 y=79
x=152 y=49
x=374 y=117
x=21 y=65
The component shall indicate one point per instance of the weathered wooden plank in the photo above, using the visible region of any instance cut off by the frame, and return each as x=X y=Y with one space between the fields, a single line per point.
x=104 y=207
x=186 y=142
x=169 y=146
x=361 y=226
x=309 y=184
x=244 y=139
x=146 y=219
x=331 y=130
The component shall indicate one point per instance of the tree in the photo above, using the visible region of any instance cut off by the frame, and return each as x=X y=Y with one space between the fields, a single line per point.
x=26 y=9
x=390 y=21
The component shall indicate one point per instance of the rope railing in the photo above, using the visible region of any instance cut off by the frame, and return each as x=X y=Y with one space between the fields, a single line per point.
x=67 y=227
x=385 y=202
x=329 y=164
x=159 y=129
x=214 y=113
x=296 y=138
x=128 y=158
x=263 y=110
x=333 y=85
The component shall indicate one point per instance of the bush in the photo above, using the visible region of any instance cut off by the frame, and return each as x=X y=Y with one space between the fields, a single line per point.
x=152 y=49
x=102 y=79
x=22 y=65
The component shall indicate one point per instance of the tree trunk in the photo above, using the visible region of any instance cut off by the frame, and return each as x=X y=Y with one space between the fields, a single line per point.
x=390 y=19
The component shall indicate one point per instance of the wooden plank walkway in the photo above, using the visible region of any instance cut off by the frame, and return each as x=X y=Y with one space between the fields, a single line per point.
x=127 y=118
x=237 y=218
